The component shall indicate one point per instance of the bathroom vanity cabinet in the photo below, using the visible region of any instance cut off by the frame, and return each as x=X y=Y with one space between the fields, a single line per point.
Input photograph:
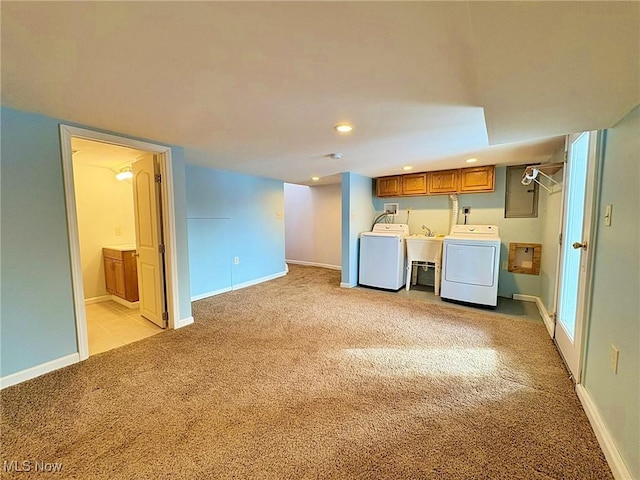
x=121 y=272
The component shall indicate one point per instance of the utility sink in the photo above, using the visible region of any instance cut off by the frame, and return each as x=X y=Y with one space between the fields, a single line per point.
x=427 y=250
x=421 y=248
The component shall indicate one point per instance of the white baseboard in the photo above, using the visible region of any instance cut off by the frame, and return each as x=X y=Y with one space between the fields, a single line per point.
x=524 y=298
x=183 y=322
x=258 y=280
x=239 y=286
x=210 y=294
x=38 y=370
x=611 y=452
x=124 y=302
x=347 y=285
x=100 y=299
x=546 y=318
x=315 y=264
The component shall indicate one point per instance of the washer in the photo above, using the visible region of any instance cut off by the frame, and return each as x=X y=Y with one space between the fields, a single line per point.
x=383 y=261
x=470 y=264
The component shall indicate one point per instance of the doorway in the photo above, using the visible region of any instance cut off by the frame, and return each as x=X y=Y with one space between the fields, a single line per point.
x=576 y=247
x=109 y=239
x=162 y=162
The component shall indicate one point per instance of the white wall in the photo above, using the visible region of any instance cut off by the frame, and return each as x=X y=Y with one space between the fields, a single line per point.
x=104 y=204
x=313 y=224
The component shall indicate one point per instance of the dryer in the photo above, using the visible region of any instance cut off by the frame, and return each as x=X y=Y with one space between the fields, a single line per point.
x=471 y=264
x=383 y=260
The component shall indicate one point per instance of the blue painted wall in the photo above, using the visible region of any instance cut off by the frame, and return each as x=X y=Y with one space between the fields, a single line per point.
x=358 y=213
x=36 y=313
x=233 y=215
x=614 y=301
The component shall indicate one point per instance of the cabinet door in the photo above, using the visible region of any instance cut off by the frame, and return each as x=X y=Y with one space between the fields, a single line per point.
x=414 y=184
x=477 y=179
x=118 y=268
x=445 y=181
x=130 y=275
x=109 y=276
x=388 y=186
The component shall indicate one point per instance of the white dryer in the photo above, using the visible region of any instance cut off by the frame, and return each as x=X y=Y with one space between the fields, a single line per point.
x=470 y=264
x=383 y=260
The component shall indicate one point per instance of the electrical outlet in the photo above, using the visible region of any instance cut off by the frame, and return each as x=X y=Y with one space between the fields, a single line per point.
x=236 y=260
x=279 y=215
x=505 y=265
x=118 y=231
x=466 y=210
x=615 y=354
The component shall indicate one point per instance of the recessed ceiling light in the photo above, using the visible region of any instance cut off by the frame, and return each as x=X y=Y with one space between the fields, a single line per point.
x=472 y=160
x=315 y=179
x=407 y=167
x=343 y=128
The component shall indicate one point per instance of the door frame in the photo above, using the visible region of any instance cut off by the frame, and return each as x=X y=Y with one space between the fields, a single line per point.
x=594 y=159
x=168 y=222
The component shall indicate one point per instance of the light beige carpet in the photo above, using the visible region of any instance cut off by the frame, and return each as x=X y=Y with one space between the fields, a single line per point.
x=299 y=379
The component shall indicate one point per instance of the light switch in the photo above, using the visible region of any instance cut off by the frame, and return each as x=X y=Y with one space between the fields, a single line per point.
x=615 y=355
x=607 y=215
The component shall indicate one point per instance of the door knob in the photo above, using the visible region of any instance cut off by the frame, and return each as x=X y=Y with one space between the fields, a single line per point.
x=578 y=245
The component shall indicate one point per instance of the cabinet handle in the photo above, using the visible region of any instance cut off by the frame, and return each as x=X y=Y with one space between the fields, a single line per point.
x=135 y=254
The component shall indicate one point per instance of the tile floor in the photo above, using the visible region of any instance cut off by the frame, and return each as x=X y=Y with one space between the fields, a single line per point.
x=111 y=325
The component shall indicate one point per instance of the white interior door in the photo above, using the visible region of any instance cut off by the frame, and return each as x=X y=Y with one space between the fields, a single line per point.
x=576 y=233
x=149 y=245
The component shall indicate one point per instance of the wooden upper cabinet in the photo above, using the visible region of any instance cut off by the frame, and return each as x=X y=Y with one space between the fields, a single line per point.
x=389 y=186
x=463 y=180
x=414 y=184
x=445 y=181
x=477 y=179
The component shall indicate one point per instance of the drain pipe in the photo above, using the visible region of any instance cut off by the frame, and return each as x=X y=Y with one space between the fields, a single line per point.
x=454 y=211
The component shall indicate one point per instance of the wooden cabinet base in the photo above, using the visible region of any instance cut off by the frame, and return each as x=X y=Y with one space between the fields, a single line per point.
x=121 y=273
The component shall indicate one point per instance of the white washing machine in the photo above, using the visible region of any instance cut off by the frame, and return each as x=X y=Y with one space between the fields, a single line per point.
x=383 y=260
x=470 y=264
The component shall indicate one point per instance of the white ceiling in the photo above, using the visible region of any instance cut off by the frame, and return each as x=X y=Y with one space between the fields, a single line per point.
x=105 y=155
x=256 y=87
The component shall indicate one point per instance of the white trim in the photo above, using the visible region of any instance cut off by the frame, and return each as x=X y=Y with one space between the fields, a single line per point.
x=125 y=303
x=210 y=294
x=542 y=310
x=33 y=372
x=608 y=445
x=74 y=241
x=100 y=299
x=524 y=298
x=549 y=322
x=111 y=298
x=347 y=285
x=239 y=286
x=258 y=280
x=183 y=322
x=171 y=278
x=315 y=264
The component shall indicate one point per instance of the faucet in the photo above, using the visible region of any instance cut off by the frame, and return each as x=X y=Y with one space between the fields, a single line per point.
x=427 y=231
